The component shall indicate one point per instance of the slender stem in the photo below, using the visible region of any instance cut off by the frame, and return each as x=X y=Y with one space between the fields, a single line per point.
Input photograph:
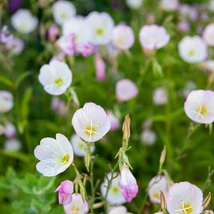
x=92 y=185
x=208 y=180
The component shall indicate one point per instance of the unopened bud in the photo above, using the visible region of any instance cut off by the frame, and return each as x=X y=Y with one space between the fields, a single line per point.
x=126 y=128
x=162 y=201
x=98 y=205
x=208 y=212
x=163 y=155
x=207 y=200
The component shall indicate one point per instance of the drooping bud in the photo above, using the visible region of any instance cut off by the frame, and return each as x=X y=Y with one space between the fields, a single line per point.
x=207 y=200
x=162 y=201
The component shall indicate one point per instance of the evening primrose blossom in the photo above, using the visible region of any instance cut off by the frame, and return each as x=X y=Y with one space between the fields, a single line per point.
x=91 y=122
x=118 y=209
x=56 y=77
x=6 y=100
x=199 y=106
x=184 y=197
x=55 y=155
x=208 y=34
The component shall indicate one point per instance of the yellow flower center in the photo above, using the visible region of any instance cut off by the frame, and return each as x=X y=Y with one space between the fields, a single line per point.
x=65 y=159
x=63 y=15
x=59 y=82
x=201 y=111
x=191 y=52
x=186 y=208
x=99 y=31
x=90 y=130
x=115 y=189
x=156 y=195
x=75 y=209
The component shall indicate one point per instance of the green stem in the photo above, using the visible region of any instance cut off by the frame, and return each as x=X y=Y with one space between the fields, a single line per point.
x=208 y=180
x=92 y=186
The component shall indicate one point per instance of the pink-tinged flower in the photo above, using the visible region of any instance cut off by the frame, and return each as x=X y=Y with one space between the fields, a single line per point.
x=59 y=106
x=118 y=210
x=55 y=155
x=208 y=34
x=85 y=49
x=67 y=44
x=183 y=26
x=65 y=190
x=91 y=122
x=127 y=184
x=153 y=37
x=114 y=194
x=5 y=35
x=188 y=12
x=9 y=130
x=126 y=90
x=62 y=11
x=55 y=77
x=159 y=213
x=77 y=205
x=100 y=67
x=160 y=96
x=134 y=4
x=156 y=185
x=208 y=65
x=12 y=145
x=79 y=146
x=192 y=49
x=101 y=28
x=15 y=46
x=115 y=123
x=169 y=5
x=184 y=197
x=199 y=106
x=148 y=137
x=53 y=32
x=1 y=129
x=6 y=100
x=123 y=37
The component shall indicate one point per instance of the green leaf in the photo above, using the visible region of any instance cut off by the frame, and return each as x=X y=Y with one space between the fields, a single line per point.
x=21 y=78
x=6 y=81
x=25 y=103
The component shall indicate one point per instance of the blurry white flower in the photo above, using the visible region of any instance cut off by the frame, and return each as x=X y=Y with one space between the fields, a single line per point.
x=208 y=65
x=101 y=28
x=199 y=106
x=188 y=12
x=23 y=21
x=118 y=210
x=91 y=122
x=5 y=35
x=9 y=130
x=62 y=11
x=160 y=96
x=55 y=155
x=134 y=4
x=123 y=37
x=114 y=195
x=208 y=34
x=115 y=123
x=78 y=27
x=126 y=90
x=55 y=77
x=79 y=146
x=59 y=106
x=156 y=185
x=6 y=101
x=148 y=137
x=192 y=49
x=77 y=205
x=12 y=145
x=169 y=5
x=211 y=5
x=153 y=37
x=184 y=197
x=15 y=46
x=183 y=26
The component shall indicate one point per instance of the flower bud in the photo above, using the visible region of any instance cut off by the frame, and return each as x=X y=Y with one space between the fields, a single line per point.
x=127 y=184
x=126 y=128
x=207 y=200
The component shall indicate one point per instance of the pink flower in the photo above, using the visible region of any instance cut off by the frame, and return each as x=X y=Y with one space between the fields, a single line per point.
x=67 y=44
x=127 y=184
x=53 y=32
x=199 y=106
x=91 y=122
x=153 y=37
x=208 y=34
x=85 y=49
x=10 y=130
x=115 y=123
x=100 y=68
x=126 y=90
x=65 y=190
x=184 y=197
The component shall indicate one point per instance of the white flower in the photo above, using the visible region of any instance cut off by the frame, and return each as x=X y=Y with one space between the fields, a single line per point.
x=148 y=137
x=16 y=46
x=184 y=197
x=115 y=123
x=153 y=37
x=208 y=34
x=192 y=49
x=91 y=122
x=101 y=28
x=23 y=21
x=199 y=106
x=169 y=5
x=9 y=130
x=208 y=65
x=134 y=4
x=114 y=195
x=55 y=77
x=77 y=205
x=156 y=185
x=78 y=27
x=118 y=210
x=62 y=11
x=6 y=100
x=160 y=96
x=123 y=37
x=55 y=155
x=12 y=145
x=79 y=146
